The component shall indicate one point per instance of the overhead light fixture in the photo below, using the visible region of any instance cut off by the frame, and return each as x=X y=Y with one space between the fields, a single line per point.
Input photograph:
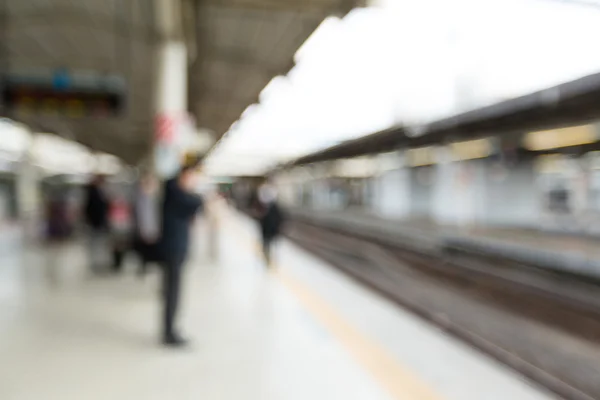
x=472 y=149
x=389 y=162
x=361 y=167
x=559 y=138
x=421 y=156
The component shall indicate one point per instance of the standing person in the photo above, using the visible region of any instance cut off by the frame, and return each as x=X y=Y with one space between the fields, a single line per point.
x=96 y=216
x=270 y=218
x=59 y=225
x=147 y=226
x=120 y=229
x=179 y=208
x=59 y=228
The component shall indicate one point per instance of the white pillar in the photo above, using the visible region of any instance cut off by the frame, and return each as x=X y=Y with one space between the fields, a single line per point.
x=28 y=193
x=512 y=195
x=393 y=193
x=171 y=106
x=318 y=195
x=171 y=89
x=457 y=188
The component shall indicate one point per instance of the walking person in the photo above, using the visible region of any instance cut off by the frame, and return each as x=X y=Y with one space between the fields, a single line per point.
x=270 y=218
x=179 y=208
x=147 y=224
x=96 y=210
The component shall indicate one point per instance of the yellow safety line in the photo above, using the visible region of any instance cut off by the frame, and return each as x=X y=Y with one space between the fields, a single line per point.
x=398 y=381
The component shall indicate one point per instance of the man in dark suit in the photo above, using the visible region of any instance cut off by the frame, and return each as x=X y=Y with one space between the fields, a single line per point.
x=179 y=208
x=271 y=218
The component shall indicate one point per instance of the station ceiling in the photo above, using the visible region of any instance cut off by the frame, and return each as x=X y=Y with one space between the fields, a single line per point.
x=242 y=45
x=114 y=37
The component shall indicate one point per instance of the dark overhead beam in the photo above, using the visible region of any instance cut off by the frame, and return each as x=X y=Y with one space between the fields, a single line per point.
x=77 y=17
x=345 y=6
x=243 y=58
x=318 y=8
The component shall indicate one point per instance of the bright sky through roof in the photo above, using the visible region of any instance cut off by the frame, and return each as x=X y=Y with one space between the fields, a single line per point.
x=408 y=62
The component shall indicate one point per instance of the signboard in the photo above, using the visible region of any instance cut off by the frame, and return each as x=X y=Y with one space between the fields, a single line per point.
x=166 y=126
x=175 y=128
x=62 y=95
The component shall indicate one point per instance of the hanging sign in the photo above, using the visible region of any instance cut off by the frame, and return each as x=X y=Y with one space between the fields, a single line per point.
x=63 y=95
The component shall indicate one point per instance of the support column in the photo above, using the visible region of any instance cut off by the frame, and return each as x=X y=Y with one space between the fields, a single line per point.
x=172 y=116
x=393 y=193
x=28 y=193
x=171 y=89
x=512 y=196
x=171 y=106
x=457 y=192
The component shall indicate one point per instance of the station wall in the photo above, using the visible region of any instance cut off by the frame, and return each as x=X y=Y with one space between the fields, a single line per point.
x=421 y=191
x=511 y=196
x=391 y=194
x=475 y=192
x=467 y=193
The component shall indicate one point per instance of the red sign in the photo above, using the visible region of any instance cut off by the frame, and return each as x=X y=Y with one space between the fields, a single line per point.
x=165 y=128
x=168 y=125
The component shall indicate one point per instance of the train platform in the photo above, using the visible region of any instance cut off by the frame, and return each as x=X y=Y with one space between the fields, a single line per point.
x=560 y=251
x=300 y=330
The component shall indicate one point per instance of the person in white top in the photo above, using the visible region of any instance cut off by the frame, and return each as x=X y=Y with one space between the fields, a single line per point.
x=147 y=225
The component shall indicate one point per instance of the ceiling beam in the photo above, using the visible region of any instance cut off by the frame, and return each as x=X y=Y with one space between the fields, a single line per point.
x=77 y=16
x=316 y=7
x=244 y=58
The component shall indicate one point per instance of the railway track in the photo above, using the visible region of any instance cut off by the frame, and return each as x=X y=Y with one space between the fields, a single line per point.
x=543 y=325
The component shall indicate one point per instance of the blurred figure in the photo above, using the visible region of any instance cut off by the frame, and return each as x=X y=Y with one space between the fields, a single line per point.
x=147 y=227
x=96 y=215
x=179 y=208
x=59 y=225
x=270 y=218
x=59 y=228
x=120 y=229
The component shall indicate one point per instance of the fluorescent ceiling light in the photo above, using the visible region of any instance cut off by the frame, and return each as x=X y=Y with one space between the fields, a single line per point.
x=421 y=156
x=472 y=149
x=558 y=138
x=355 y=168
